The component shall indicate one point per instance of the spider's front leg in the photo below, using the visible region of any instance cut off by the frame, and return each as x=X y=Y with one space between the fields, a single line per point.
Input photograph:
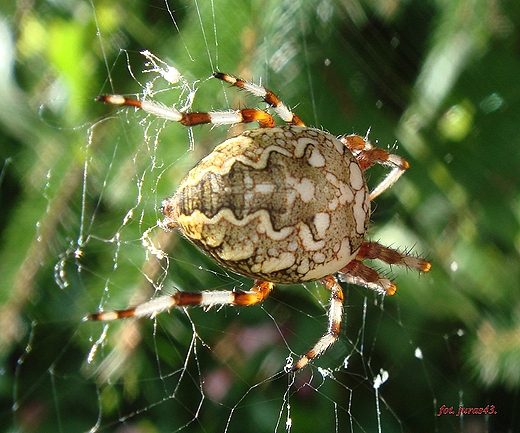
x=356 y=272
x=368 y=155
x=206 y=299
x=335 y=319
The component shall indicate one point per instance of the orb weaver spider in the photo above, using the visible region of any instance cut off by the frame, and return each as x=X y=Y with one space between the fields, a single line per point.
x=278 y=204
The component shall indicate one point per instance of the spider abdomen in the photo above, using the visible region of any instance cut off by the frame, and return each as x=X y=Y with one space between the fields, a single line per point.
x=285 y=204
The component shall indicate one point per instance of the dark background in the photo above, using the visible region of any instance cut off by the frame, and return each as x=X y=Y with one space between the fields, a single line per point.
x=81 y=183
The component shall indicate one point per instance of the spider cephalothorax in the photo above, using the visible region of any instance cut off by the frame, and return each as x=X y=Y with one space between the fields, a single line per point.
x=279 y=204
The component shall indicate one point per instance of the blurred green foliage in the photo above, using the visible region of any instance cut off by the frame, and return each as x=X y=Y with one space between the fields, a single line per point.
x=81 y=183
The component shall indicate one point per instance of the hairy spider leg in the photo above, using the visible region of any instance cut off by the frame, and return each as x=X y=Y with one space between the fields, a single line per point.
x=269 y=97
x=231 y=117
x=358 y=273
x=205 y=299
x=374 y=250
x=335 y=317
x=246 y=115
x=258 y=293
x=367 y=155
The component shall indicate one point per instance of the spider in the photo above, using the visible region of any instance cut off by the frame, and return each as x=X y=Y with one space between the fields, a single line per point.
x=279 y=204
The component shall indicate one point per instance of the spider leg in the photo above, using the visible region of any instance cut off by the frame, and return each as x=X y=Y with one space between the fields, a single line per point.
x=269 y=97
x=374 y=250
x=264 y=119
x=358 y=273
x=367 y=155
x=335 y=319
x=207 y=299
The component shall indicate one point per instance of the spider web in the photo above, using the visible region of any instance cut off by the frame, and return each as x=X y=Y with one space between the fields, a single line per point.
x=222 y=370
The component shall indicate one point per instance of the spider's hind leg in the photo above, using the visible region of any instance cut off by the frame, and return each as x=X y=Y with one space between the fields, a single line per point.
x=269 y=97
x=205 y=299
